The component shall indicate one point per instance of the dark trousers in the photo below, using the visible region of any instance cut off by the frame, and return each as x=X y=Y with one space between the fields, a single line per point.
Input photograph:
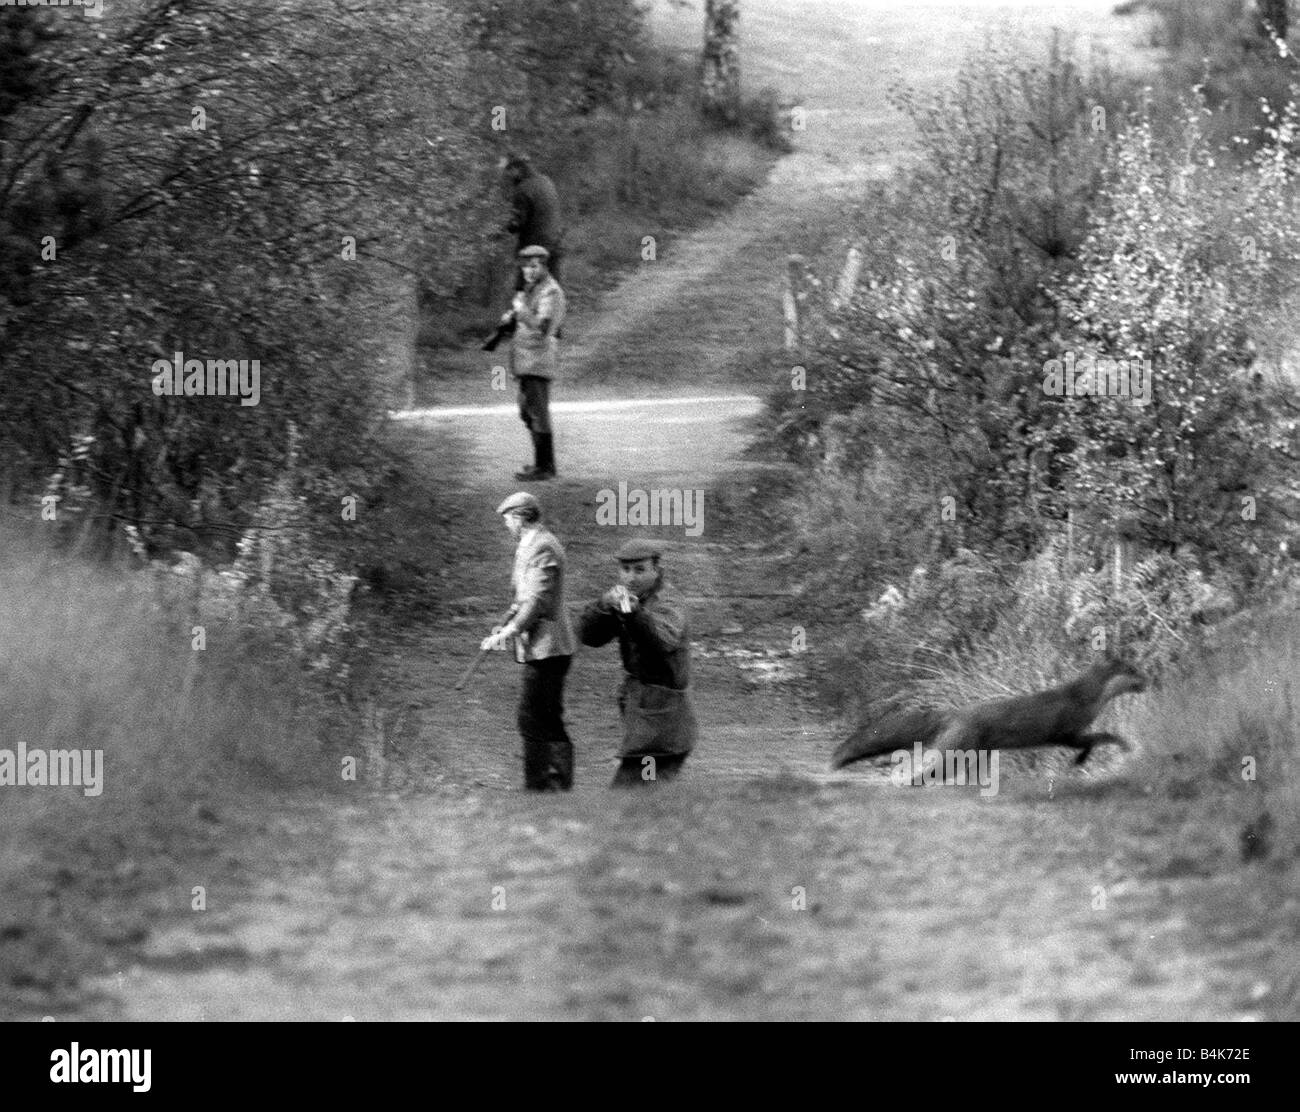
x=535 y=403
x=548 y=752
x=635 y=770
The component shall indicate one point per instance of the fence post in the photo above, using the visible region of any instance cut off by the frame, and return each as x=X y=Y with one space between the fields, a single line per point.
x=789 y=300
x=1125 y=535
x=848 y=280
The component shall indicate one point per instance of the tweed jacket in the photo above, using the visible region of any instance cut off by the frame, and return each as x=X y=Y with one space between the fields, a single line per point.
x=532 y=351
x=539 y=612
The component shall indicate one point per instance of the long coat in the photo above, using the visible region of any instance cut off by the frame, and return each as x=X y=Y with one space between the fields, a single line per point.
x=532 y=351
x=654 y=642
x=535 y=218
x=539 y=611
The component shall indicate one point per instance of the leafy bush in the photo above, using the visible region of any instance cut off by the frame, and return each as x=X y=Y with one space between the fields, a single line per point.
x=557 y=60
x=220 y=157
x=930 y=355
x=1179 y=265
x=969 y=630
x=281 y=590
x=764 y=118
x=1221 y=46
x=1027 y=234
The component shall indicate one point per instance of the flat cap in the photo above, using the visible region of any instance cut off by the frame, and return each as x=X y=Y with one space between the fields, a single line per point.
x=535 y=252
x=639 y=549
x=520 y=501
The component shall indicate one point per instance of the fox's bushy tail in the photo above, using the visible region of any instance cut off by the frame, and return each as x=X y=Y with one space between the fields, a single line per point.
x=899 y=730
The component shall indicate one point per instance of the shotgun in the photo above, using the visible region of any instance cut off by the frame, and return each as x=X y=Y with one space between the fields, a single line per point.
x=504 y=329
x=473 y=667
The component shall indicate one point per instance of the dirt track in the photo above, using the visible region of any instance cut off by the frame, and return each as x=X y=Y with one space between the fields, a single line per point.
x=759 y=886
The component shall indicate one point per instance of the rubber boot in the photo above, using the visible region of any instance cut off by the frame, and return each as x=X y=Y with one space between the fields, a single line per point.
x=545 y=455
x=533 y=470
x=561 y=764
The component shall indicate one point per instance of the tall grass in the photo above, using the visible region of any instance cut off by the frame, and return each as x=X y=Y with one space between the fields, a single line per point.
x=1233 y=719
x=93 y=658
x=194 y=744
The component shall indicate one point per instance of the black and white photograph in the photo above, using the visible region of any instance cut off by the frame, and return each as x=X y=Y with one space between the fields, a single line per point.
x=650 y=511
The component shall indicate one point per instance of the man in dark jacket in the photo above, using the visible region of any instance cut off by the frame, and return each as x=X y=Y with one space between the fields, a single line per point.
x=538 y=625
x=535 y=211
x=647 y=616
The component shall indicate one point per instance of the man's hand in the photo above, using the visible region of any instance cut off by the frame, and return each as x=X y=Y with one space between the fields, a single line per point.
x=499 y=639
x=519 y=304
x=620 y=598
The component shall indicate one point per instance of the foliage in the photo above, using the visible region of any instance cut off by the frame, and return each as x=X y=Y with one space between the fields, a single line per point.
x=614 y=120
x=281 y=588
x=943 y=612
x=1177 y=270
x=557 y=60
x=766 y=119
x=1024 y=235
x=1224 y=47
x=224 y=153
x=968 y=630
x=931 y=354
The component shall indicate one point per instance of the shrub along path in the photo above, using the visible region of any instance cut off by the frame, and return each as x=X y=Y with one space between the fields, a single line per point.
x=758 y=886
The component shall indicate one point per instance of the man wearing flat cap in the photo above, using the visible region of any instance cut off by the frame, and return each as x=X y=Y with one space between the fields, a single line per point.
x=536 y=314
x=649 y=619
x=538 y=625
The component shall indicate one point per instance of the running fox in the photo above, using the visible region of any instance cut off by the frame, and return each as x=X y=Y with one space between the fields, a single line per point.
x=1059 y=716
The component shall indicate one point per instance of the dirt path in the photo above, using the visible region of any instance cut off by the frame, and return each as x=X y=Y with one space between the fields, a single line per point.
x=759 y=886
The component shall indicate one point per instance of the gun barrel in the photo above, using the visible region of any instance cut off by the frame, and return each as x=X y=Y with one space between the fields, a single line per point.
x=464 y=679
x=473 y=667
x=499 y=333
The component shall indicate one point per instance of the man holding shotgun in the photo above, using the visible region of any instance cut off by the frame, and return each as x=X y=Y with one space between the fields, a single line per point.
x=534 y=322
x=538 y=625
x=648 y=618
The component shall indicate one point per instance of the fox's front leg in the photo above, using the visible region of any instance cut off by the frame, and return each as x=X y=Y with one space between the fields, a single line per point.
x=1088 y=742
